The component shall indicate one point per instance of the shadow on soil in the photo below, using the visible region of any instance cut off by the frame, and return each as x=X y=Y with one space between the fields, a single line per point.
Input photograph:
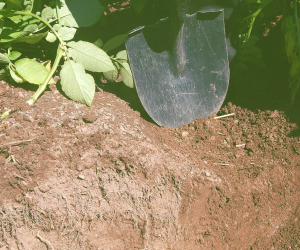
x=256 y=89
x=129 y=95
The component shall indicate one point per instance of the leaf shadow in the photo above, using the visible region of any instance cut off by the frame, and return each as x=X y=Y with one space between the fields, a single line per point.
x=127 y=94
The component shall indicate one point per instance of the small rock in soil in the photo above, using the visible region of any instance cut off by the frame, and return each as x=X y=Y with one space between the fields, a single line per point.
x=81 y=177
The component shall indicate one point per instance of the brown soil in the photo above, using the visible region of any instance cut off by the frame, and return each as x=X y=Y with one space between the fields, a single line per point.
x=74 y=177
x=108 y=178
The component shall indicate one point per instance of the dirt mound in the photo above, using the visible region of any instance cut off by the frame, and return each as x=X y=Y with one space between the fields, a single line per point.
x=74 y=177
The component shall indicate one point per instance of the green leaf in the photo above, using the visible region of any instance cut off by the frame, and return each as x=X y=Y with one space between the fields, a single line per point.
x=112 y=75
x=90 y=56
x=31 y=71
x=16 y=19
x=138 y=5
x=3 y=73
x=47 y=13
x=2 y=5
x=17 y=78
x=14 y=55
x=51 y=38
x=66 y=33
x=126 y=75
x=122 y=56
x=56 y=27
x=5 y=114
x=76 y=83
x=32 y=38
x=4 y=59
x=252 y=50
x=78 y=13
x=99 y=43
x=28 y=30
x=115 y=42
x=15 y=3
x=1 y=25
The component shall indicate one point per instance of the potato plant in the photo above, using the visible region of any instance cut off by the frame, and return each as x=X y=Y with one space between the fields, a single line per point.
x=57 y=21
x=33 y=21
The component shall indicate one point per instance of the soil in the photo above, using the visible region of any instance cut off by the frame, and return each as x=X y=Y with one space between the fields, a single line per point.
x=108 y=178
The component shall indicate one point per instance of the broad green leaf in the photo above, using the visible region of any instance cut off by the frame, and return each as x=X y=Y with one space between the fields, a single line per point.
x=90 y=56
x=11 y=36
x=112 y=75
x=56 y=27
x=126 y=75
x=16 y=19
x=122 y=56
x=5 y=114
x=66 y=33
x=252 y=50
x=14 y=3
x=47 y=65
x=252 y=40
x=26 y=18
x=14 y=55
x=3 y=73
x=4 y=59
x=29 y=29
x=99 y=43
x=17 y=78
x=31 y=70
x=51 y=38
x=76 y=83
x=2 y=5
x=79 y=13
x=1 y=25
x=32 y=38
x=47 y=13
x=138 y=5
x=115 y=42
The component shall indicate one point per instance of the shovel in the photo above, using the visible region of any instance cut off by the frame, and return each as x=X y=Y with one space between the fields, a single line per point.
x=180 y=64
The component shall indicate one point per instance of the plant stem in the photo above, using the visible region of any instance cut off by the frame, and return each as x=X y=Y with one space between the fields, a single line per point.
x=57 y=13
x=297 y=20
x=43 y=86
x=256 y=13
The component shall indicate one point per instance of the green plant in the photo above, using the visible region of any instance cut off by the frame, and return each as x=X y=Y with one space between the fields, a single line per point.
x=35 y=21
x=249 y=53
x=251 y=10
x=291 y=31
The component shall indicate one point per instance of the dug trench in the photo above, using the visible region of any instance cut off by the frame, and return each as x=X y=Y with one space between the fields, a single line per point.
x=104 y=177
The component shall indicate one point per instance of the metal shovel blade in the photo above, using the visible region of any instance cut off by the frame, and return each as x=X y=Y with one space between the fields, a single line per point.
x=176 y=85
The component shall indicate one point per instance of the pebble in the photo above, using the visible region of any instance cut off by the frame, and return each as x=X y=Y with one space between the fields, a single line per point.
x=44 y=188
x=81 y=177
x=207 y=173
x=80 y=167
x=184 y=134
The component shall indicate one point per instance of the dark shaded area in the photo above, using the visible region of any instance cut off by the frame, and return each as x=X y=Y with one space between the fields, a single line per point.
x=266 y=88
x=256 y=89
x=127 y=94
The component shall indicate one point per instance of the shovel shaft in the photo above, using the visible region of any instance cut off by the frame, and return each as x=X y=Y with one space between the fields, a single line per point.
x=177 y=11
